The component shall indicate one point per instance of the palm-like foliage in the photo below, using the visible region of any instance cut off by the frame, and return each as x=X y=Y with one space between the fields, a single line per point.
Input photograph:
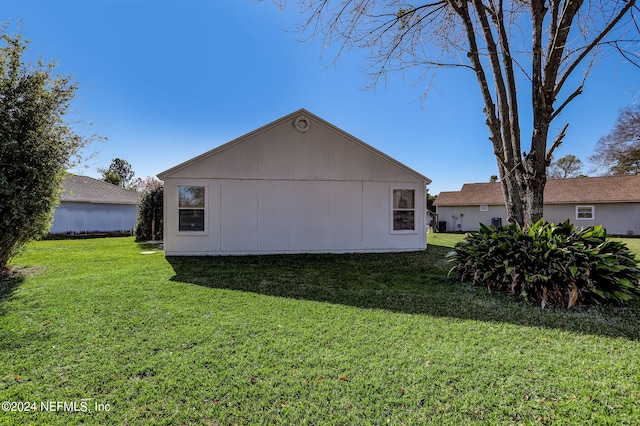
x=550 y=264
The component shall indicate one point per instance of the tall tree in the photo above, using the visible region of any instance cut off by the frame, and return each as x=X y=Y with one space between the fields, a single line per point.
x=110 y=177
x=618 y=153
x=36 y=144
x=568 y=166
x=544 y=44
x=119 y=173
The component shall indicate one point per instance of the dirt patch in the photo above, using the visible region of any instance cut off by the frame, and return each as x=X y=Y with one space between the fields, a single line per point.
x=8 y=274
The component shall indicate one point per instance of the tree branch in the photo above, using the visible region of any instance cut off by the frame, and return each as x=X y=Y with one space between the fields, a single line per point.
x=497 y=15
x=633 y=58
x=575 y=94
x=589 y=48
x=462 y=9
x=506 y=136
x=556 y=143
x=558 y=43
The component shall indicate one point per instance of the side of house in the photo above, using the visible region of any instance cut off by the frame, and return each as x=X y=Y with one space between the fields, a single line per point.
x=621 y=218
x=89 y=205
x=296 y=185
x=611 y=201
x=475 y=203
x=468 y=218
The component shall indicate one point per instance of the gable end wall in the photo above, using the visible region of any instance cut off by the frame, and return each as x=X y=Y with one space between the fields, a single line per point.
x=279 y=190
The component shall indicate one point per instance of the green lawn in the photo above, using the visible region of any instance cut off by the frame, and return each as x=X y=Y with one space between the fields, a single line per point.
x=134 y=338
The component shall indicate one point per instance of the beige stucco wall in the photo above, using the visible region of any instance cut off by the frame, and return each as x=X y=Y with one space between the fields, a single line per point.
x=275 y=216
x=467 y=218
x=282 y=153
x=278 y=190
x=618 y=218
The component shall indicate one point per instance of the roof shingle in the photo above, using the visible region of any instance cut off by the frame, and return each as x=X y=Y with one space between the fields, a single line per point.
x=605 y=189
x=84 y=189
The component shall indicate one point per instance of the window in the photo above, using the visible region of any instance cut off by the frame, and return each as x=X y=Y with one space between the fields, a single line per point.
x=484 y=208
x=191 y=208
x=404 y=210
x=585 y=213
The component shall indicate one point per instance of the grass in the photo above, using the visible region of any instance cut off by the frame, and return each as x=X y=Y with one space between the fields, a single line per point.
x=632 y=243
x=303 y=339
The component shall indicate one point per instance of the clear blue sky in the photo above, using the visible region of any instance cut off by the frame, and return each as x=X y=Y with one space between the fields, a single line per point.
x=167 y=80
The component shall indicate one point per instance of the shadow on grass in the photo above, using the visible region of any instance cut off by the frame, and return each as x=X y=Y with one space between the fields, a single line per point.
x=411 y=283
x=9 y=282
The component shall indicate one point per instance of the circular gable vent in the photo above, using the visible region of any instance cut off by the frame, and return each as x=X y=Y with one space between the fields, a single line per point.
x=302 y=123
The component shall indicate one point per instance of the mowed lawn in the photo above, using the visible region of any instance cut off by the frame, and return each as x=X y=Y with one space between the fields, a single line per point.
x=99 y=333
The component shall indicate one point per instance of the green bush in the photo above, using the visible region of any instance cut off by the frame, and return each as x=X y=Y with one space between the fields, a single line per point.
x=550 y=264
x=37 y=144
x=149 y=225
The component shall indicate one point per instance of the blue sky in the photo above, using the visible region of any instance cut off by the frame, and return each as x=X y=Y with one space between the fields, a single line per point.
x=165 y=81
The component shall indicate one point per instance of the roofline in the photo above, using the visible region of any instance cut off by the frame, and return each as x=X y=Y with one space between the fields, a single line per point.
x=439 y=202
x=274 y=123
x=69 y=175
x=594 y=202
x=557 y=203
x=468 y=204
x=131 y=203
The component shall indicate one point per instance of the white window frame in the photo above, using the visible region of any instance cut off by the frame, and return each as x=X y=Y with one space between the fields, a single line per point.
x=394 y=209
x=484 y=207
x=593 y=212
x=205 y=209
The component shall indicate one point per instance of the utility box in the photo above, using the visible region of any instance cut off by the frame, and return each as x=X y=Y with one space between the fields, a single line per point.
x=496 y=221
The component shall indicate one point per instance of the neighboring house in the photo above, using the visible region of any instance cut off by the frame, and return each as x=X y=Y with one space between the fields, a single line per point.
x=297 y=185
x=89 y=206
x=611 y=201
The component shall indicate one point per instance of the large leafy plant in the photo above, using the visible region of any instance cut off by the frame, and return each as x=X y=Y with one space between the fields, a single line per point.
x=550 y=264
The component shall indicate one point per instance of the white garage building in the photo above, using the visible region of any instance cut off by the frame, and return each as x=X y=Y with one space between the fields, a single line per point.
x=297 y=185
x=92 y=206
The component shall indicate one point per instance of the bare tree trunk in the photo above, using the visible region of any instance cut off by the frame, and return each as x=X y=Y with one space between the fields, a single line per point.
x=477 y=35
x=535 y=165
x=513 y=201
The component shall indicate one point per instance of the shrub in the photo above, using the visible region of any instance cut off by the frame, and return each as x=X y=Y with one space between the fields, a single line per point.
x=37 y=144
x=550 y=264
x=149 y=225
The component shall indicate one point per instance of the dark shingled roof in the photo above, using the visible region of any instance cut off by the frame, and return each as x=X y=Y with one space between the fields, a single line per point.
x=84 y=189
x=594 y=190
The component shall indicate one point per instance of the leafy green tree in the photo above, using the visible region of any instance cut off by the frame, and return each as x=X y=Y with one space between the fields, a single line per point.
x=430 y=200
x=36 y=144
x=150 y=214
x=111 y=177
x=119 y=173
x=568 y=166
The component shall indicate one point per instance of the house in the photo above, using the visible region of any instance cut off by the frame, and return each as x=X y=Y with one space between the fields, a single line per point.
x=89 y=206
x=296 y=185
x=611 y=201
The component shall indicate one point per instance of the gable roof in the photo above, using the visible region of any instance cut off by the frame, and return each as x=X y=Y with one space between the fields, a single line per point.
x=604 y=189
x=278 y=122
x=85 y=189
x=472 y=193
